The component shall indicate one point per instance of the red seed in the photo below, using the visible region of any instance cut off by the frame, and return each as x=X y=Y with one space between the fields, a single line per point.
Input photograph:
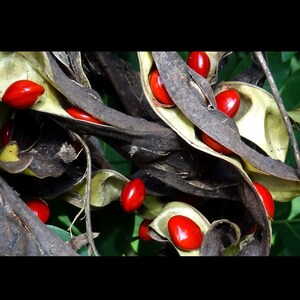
x=210 y=142
x=158 y=89
x=266 y=198
x=6 y=132
x=39 y=207
x=144 y=230
x=133 y=194
x=80 y=114
x=22 y=94
x=199 y=62
x=185 y=233
x=228 y=101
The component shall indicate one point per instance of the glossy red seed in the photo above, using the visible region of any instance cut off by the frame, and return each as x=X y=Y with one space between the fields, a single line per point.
x=228 y=101
x=144 y=229
x=80 y=114
x=210 y=142
x=133 y=194
x=22 y=94
x=199 y=62
x=6 y=132
x=266 y=198
x=39 y=207
x=158 y=88
x=185 y=233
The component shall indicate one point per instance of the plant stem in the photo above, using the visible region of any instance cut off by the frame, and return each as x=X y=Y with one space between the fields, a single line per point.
x=281 y=107
x=86 y=205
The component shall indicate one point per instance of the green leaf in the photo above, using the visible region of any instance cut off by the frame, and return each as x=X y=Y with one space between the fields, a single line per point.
x=118 y=162
x=295 y=64
x=290 y=91
x=65 y=236
x=282 y=210
x=237 y=62
x=290 y=159
x=184 y=54
x=115 y=227
x=62 y=215
x=287 y=55
x=287 y=230
x=280 y=71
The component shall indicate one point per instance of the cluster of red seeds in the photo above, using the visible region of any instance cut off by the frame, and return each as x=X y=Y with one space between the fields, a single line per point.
x=184 y=232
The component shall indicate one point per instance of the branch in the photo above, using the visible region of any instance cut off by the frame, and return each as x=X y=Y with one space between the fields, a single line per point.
x=86 y=205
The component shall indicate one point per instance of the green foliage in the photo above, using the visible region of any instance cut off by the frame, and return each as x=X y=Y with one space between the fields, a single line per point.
x=286 y=229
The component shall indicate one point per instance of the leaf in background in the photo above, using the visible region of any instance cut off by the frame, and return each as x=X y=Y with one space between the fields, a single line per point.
x=237 y=63
x=115 y=229
x=287 y=230
x=280 y=71
x=290 y=91
x=295 y=64
x=253 y=74
x=295 y=115
x=287 y=55
x=66 y=236
x=63 y=214
x=184 y=54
